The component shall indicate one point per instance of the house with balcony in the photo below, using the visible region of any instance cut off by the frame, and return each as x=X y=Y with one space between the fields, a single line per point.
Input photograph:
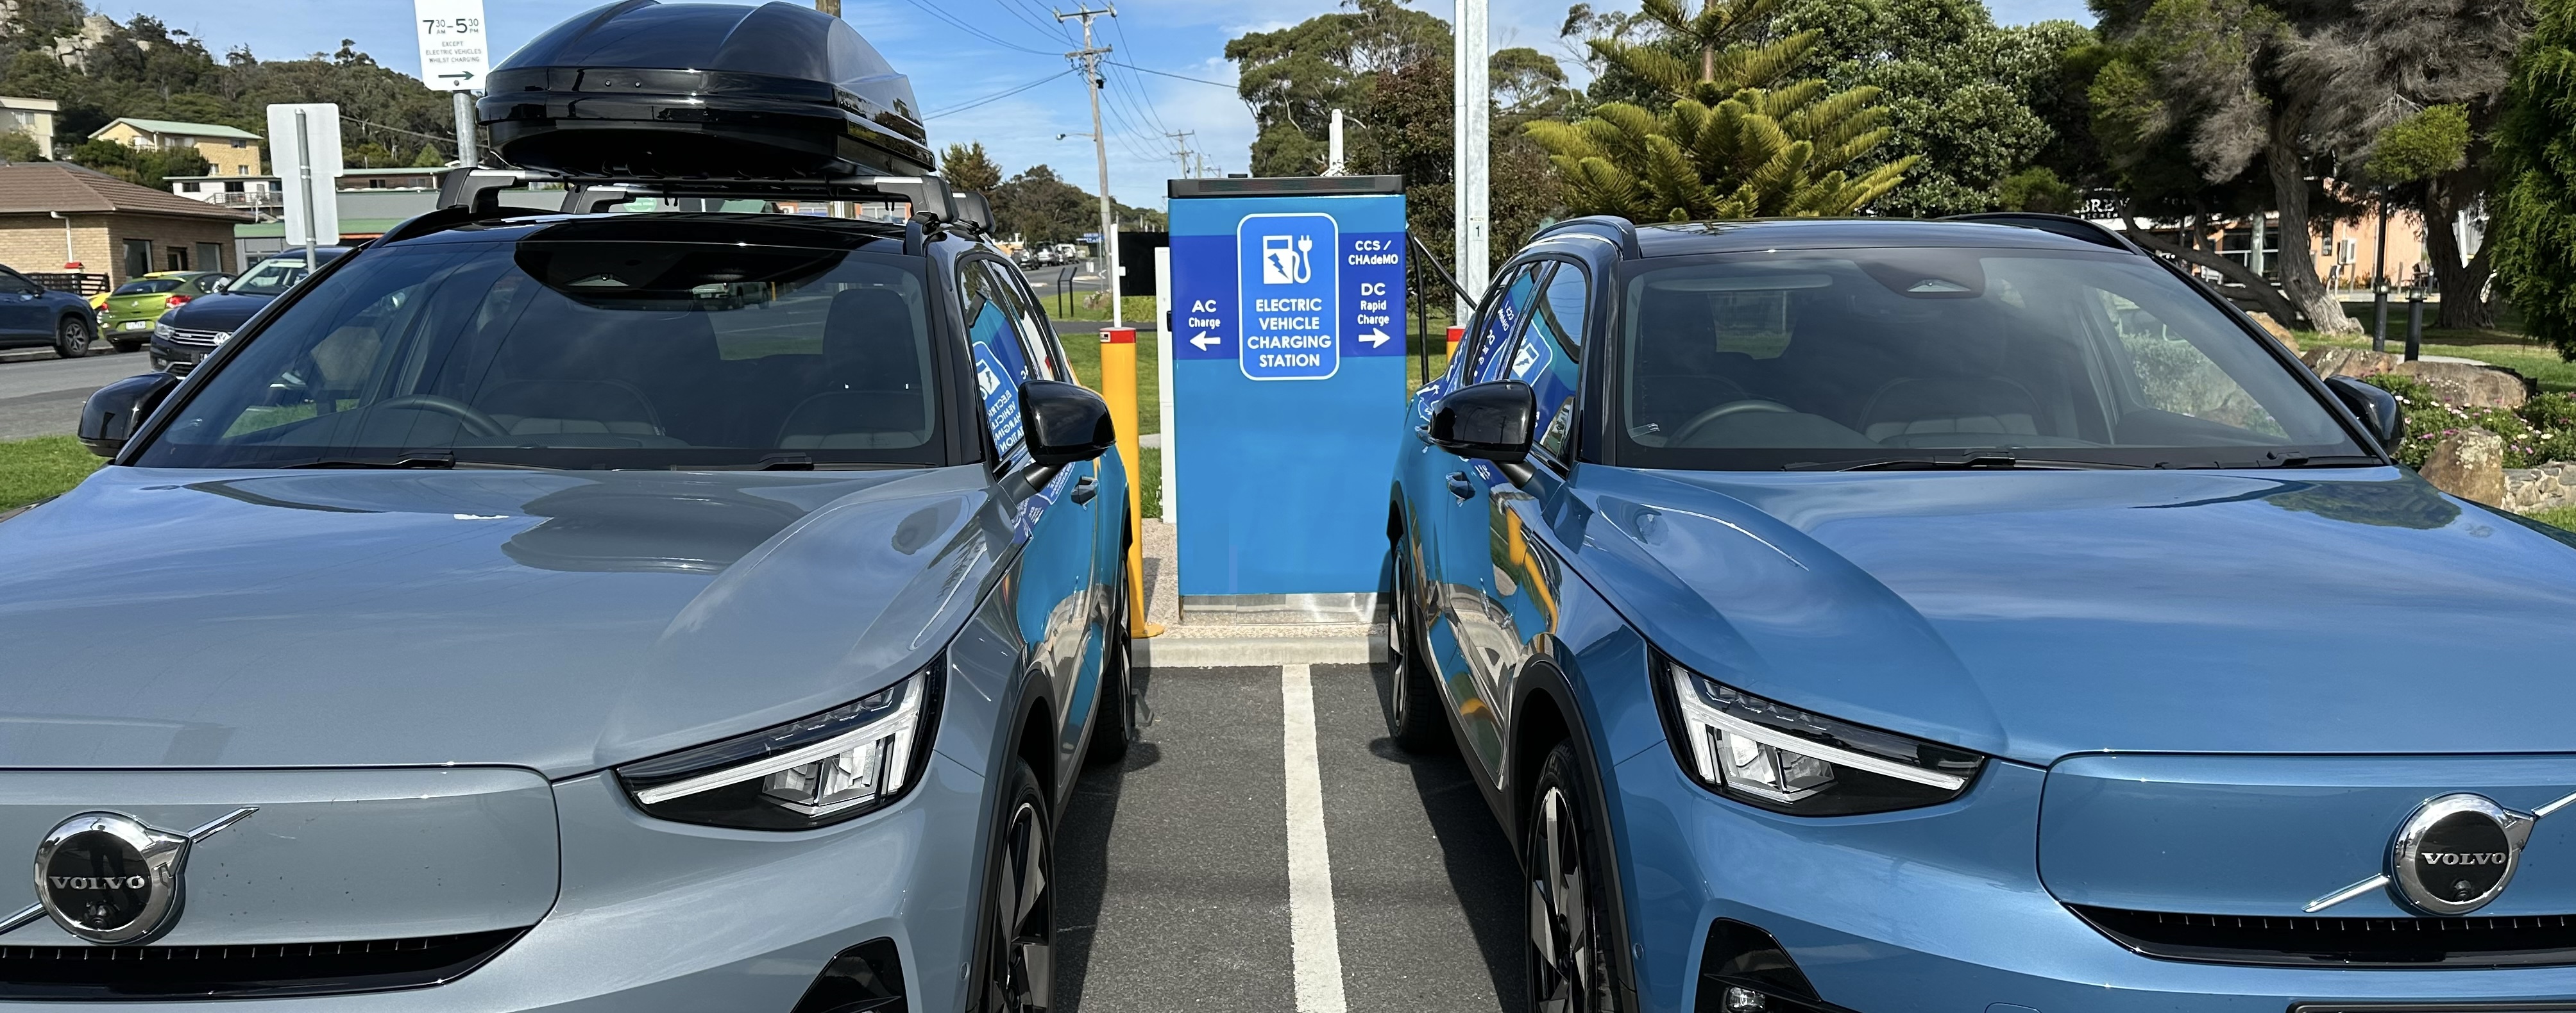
x=233 y=153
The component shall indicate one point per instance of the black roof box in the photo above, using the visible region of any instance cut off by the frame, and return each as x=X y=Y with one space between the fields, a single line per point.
x=643 y=88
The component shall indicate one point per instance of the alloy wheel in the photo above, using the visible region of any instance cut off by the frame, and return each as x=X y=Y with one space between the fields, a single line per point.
x=71 y=339
x=1400 y=637
x=1021 y=975
x=1568 y=969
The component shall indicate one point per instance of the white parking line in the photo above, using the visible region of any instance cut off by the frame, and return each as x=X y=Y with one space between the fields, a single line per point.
x=1315 y=948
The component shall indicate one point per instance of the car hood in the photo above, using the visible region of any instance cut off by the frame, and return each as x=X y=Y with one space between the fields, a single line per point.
x=562 y=621
x=2037 y=614
x=218 y=312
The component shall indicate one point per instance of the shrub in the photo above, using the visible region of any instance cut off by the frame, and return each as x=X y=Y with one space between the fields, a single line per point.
x=2526 y=443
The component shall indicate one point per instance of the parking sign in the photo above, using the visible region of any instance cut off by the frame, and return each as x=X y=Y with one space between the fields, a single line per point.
x=454 y=55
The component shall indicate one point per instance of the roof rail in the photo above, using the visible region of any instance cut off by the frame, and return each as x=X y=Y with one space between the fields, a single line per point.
x=2065 y=225
x=1611 y=227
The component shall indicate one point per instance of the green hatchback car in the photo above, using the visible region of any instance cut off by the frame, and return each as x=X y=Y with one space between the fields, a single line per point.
x=126 y=319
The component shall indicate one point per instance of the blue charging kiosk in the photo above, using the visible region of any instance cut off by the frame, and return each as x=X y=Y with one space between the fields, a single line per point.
x=1288 y=392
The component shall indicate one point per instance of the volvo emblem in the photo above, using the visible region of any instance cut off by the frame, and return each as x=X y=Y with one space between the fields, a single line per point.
x=2456 y=853
x=112 y=879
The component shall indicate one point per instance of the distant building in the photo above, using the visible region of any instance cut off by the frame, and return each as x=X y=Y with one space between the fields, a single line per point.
x=370 y=200
x=32 y=116
x=56 y=214
x=232 y=152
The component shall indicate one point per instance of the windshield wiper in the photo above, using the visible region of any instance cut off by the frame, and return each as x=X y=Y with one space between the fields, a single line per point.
x=439 y=462
x=2326 y=461
x=1972 y=462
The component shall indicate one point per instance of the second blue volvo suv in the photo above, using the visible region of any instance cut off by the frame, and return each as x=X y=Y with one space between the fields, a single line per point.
x=1973 y=617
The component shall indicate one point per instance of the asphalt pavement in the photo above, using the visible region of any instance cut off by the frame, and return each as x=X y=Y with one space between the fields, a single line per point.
x=1193 y=879
x=43 y=397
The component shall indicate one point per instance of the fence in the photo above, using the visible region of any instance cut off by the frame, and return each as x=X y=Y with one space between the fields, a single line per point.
x=68 y=281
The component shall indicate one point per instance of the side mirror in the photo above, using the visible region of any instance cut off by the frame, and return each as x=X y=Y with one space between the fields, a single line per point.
x=2377 y=409
x=217 y=286
x=113 y=412
x=1489 y=421
x=1064 y=423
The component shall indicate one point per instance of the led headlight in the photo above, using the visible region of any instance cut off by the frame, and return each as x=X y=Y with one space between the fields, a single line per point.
x=163 y=331
x=806 y=773
x=1791 y=761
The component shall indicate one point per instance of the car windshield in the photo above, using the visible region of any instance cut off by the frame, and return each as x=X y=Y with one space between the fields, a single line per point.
x=579 y=353
x=1881 y=358
x=150 y=286
x=269 y=277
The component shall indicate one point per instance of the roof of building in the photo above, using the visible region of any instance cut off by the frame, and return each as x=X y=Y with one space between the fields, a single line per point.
x=177 y=127
x=23 y=102
x=434 y=170
x=38 y=187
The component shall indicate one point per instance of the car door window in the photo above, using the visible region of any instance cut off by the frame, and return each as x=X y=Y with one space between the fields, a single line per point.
x=12 y=283
x=1548 y=356
x=1482 y=360
x=1046 y=354
x=993 y=323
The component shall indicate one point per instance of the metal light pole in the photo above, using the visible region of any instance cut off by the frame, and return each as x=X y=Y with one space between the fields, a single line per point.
x=2379 y=282
x=1090 y=56
x=1471 y=108
x=465 y=154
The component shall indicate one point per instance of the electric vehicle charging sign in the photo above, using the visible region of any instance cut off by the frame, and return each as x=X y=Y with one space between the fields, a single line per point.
x=1287 y=266
x=1287 y=386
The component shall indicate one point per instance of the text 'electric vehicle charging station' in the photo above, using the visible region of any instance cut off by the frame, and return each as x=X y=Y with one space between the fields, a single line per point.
x=1287 y=343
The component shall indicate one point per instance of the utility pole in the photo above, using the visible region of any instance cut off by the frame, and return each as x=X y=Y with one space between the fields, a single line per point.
x=1181 y=147
x=831 y=7
x=1090 y=55
x=1472 y=115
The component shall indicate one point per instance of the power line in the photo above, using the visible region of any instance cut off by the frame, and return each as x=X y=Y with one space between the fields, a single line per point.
x=1157 y=114
x=1169 y=74
x=995 y=97
x=1016 y=9
x=962 y=26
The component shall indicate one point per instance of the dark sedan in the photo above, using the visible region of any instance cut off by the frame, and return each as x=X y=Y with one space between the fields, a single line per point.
x=189 y=333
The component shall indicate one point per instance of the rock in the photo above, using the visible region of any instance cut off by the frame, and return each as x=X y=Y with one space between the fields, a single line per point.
x=2469 y=464
x=2463 y=384
x=2550 y=486
x=2278 y=332
x=2331 y=361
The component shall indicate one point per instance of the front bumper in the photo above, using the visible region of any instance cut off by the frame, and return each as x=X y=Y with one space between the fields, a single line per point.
x=177 y=357
x=656 y=916
x=1937 y=910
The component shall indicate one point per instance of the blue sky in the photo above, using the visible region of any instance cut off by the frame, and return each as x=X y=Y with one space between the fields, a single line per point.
x=1017 y=45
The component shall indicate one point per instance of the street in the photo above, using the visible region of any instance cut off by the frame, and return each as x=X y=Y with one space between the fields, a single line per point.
x=1175 y=865
x=43 y=397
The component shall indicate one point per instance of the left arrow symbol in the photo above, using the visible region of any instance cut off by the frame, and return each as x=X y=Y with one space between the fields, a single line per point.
x=1204 y=339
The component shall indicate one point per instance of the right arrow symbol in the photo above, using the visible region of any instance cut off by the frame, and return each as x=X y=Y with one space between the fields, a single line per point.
x=1204 y=339
x=1376 y=337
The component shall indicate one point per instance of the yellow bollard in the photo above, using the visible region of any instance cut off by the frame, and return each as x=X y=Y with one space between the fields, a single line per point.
x=1118 y=387
x=1456 y=335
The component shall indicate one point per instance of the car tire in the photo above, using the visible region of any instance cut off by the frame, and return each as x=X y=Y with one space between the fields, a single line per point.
x=1113 y=714
x=1413 y=716
x=1571 y=960
x=1015 y=953
x=72 y=337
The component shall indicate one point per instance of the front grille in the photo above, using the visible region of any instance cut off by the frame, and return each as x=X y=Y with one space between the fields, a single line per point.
x=2526 y=941
x=184 y=336
x=231 y=972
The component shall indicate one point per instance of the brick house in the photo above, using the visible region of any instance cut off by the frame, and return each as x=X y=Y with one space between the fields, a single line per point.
x=230 y=150
x=53 y=214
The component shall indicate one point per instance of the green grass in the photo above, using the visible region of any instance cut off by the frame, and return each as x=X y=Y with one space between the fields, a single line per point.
x=42 y=468
x=2565 y=518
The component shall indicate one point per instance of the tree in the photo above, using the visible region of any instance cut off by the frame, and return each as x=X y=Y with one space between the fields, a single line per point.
x=1040 y=207
x=1724 y=145
x=150 y=167
x=968 y=168
x=2216 y=78
x=1293 y=78
x=2429 y=77
x=2534 y=236
x=1958 y=90
x=19 y=146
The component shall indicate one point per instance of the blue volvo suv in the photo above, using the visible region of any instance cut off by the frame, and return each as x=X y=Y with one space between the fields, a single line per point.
x=654 y=611
x=1973 y=617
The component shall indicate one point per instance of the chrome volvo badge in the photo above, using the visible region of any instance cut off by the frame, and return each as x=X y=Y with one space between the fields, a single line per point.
x=112 y=879
x=2457 y=853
